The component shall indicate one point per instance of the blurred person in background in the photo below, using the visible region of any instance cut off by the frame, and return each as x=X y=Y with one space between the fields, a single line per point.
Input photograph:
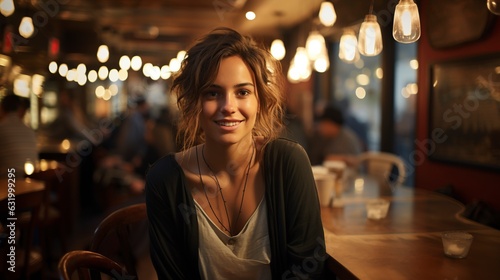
x=162 y=133
x=17 y=141
x=333 y=140
x=131 y=143
x=294 y=129
x=71 y=122
x=128 y=152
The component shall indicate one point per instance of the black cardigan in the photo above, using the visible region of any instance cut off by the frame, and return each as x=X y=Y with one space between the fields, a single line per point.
x=294 y=220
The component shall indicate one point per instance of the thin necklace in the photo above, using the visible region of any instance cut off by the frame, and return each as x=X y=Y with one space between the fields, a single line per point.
x=220 y=189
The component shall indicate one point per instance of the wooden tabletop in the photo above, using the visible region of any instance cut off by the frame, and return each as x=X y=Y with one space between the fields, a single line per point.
x=407 y=243
x=20 y=185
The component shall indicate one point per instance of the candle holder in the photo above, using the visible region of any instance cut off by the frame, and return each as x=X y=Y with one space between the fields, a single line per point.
x=456 y=244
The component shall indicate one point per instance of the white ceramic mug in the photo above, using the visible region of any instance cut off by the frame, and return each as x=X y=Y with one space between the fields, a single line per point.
x=325 y=184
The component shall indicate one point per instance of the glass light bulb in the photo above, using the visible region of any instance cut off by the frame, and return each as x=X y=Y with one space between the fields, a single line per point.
x=300 y=67
x=314 y=43
x=327 y=15
x=103 y=72
x=406 y=23
x=494 y=6
x=348 y=47
x=103 y=53
x=63 y=70
x=7 y=7
x=147 y=69
x=370 y=37
x=174 y=64
x=124 y=62
x=92 y=76
x=181 y=55
x=278 y=49
x=322 y=63
x=26 y=27
x=136 y=63
x=122 y=75
x=406 y=26
x=53 y=67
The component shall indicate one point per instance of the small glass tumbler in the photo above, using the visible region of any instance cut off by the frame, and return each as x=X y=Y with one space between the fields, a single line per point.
x=456 y=244
x=377 y=209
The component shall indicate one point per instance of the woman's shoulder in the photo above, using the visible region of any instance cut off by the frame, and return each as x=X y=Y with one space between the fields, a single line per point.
x=165 y=161
x=284 y=149
x=165 y=167
x=284 y=144
x=175 y=164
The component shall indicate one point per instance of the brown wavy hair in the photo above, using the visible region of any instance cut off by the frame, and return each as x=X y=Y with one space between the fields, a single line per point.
x=199 y=69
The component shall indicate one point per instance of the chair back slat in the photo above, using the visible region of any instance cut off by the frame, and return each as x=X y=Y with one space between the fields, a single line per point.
x=83 y=262
x=381 y=165
x=119 y=226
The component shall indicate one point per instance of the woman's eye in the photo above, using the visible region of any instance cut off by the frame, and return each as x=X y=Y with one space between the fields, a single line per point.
x=243 y=92
x=211 y=94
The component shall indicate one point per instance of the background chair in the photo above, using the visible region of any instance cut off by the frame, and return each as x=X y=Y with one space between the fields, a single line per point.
x=123 y=236
x=29 y=259
x=83 y=262
x=389 y=169
x=51 y=221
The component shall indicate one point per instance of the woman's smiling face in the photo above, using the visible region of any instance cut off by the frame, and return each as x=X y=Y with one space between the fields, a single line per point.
x=230 y=104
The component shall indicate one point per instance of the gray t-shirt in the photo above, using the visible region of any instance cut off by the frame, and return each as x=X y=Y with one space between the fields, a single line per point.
x=345 y=143
x=246 y=255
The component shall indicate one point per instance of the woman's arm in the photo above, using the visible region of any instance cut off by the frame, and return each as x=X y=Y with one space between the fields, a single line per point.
x=169 y=224
x=296 y=231
x=305 y=237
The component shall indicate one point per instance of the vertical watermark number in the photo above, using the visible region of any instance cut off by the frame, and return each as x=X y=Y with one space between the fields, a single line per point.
x=11 y=219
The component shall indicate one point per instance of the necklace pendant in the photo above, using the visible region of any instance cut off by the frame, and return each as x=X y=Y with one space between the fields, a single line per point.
x=219 y=188
x=231 y=241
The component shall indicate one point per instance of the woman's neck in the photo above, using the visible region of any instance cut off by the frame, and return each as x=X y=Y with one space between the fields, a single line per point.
x=232 y=159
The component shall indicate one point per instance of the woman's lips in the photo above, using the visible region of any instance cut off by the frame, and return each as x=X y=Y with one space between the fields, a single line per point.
x=228 y=123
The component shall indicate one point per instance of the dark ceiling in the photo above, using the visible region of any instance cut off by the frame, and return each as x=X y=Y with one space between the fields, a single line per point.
x=157 y=29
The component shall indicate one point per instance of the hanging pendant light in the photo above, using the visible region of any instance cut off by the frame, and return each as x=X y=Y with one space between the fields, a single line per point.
x=136 y=63
x=406 y=26
x=314 y=43
x=327 y=15
x=317 y=51
x=7 y=7
x=174 y=65
x=278 y=49
x=26 y=27
x=370 y=37
x=348 y=47
x=494 y=6
x=124 y=62
x=322 y=63
x=102 y=53
x=300 y=67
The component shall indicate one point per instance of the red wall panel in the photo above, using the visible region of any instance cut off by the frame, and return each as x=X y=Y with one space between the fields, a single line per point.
x=470 y=183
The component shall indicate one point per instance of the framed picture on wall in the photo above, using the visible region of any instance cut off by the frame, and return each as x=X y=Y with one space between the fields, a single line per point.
x=464 y=123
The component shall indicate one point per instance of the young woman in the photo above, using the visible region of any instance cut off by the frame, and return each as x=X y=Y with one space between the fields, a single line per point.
x=237 y=202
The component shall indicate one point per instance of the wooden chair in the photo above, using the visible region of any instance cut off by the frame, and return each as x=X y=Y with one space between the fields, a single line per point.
x=50 y=221
x=114 y=236
x=28 y=259
x=381 y=165
x=84 y=262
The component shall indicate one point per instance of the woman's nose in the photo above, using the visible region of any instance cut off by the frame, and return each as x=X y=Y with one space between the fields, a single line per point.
x=228 y=103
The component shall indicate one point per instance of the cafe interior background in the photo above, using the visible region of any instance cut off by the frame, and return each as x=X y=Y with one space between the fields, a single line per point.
x=108 y=51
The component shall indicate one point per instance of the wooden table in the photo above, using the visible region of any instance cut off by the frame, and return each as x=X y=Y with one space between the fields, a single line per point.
x=21 y=186
x=407 y=243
